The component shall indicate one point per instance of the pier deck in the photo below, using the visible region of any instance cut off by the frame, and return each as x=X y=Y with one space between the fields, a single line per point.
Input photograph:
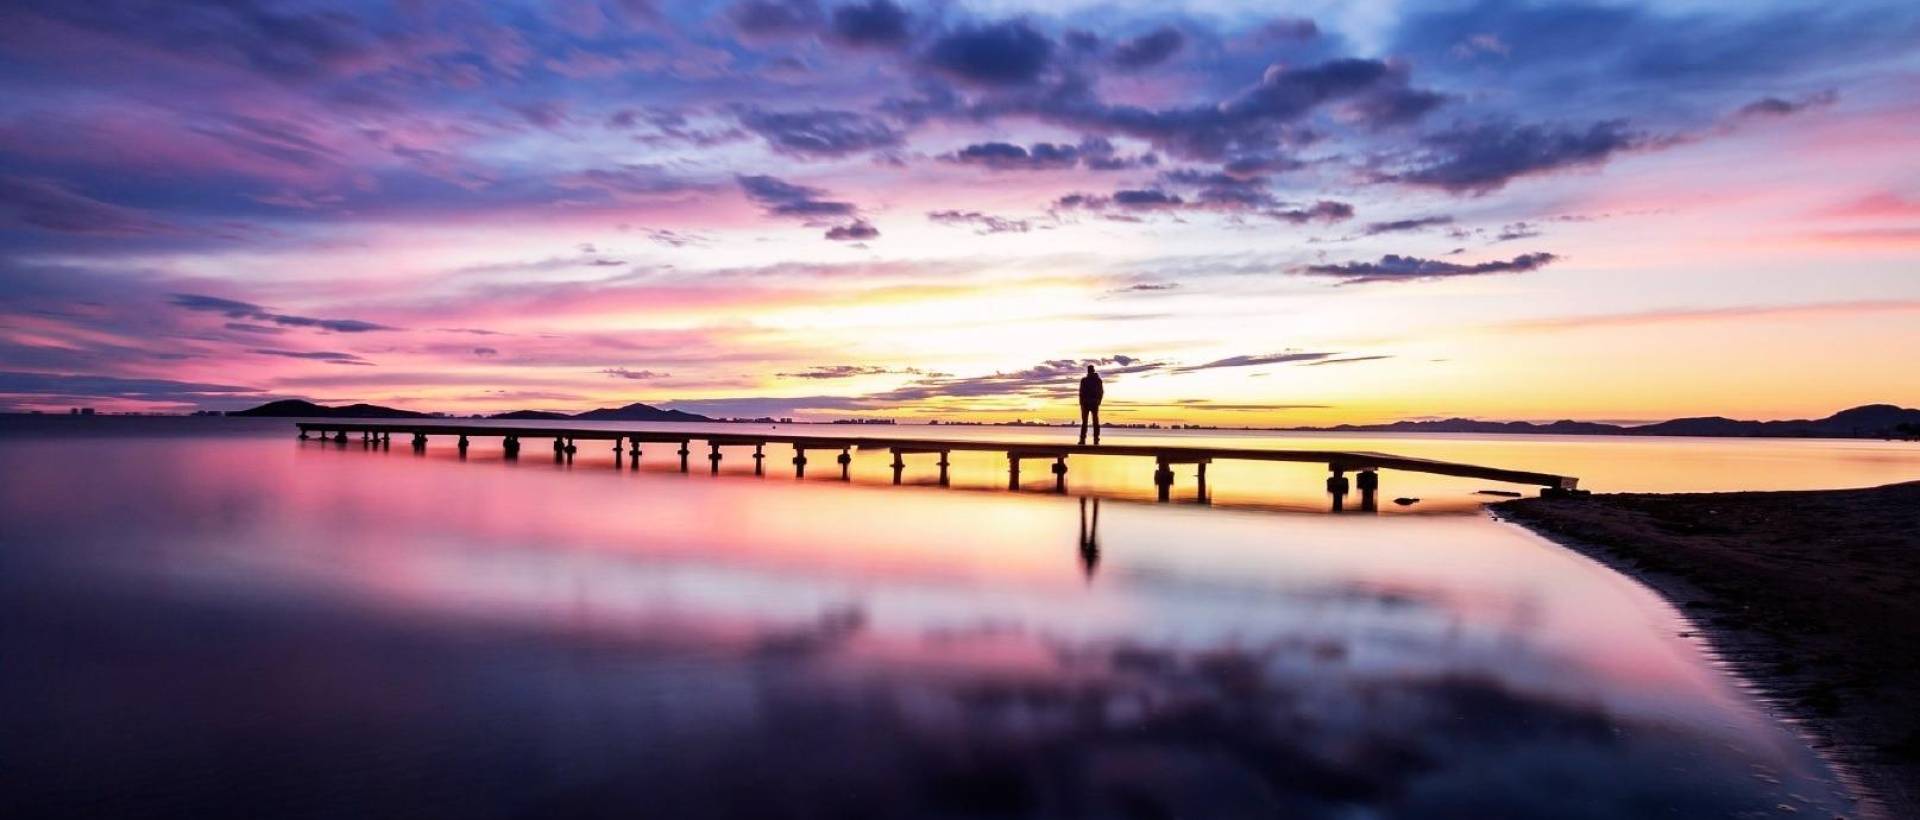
x=1363 y=463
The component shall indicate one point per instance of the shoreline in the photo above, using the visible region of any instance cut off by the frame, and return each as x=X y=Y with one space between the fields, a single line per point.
x=1837 y=665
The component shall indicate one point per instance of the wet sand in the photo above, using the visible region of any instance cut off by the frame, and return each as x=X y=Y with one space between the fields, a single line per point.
x=1814 y=596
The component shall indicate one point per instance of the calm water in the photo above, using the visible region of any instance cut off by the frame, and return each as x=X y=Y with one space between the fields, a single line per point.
x=208 y=617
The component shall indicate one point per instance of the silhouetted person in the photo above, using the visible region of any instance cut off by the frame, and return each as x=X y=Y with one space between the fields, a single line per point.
x=1091 y=392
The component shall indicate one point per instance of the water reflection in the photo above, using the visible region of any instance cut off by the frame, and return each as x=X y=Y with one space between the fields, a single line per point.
x=252 y=626
x=1090 y=536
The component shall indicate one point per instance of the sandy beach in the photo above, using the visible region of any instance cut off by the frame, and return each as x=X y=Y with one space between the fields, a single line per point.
x=1813 y=596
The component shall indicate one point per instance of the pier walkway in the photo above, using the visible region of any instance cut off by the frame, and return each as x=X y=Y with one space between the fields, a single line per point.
x=1363 y=464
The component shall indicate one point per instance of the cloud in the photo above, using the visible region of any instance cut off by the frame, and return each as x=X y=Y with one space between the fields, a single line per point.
x=1254 y=360
x=858 y=230
x=1483 y=158
x=637 y=375
x=848 y=371
x=1150 y=49
x=1001 y=156
x=1517 y=230
x=246 y=310
x=328 y=356
x=56 y=384
x=981 y=223
x=1255 y=121
x=772 y=19
x=1345 y=360
x=1009 y=53
x=1325 y=211
x=1050 y=379
x=781 y=198
x=1777 y=107
x=52 y=206
x=1397 y=268
x=819 y=132
x=1093 y=153
x=874 y=24
x=1402 y=225
x=1214 y=192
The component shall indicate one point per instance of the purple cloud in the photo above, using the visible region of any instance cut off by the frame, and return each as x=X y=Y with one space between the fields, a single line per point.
x=1002 y=54
x=781 y=198
x=1150 y=49
x=1397 y=268
x=819 y=132
x=873 y=24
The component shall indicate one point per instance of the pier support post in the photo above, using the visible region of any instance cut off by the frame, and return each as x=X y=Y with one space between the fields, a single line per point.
x=715 y=457
x=684 y=452
x=463 y=444
x=420 y=442
x=386 y=439
x=799 y=462
x=759 y=459
x=846 y=463
x=943 y=468
x=1060 y=474
x=1368 y=481
x=1337 y=487
x=511 y=446
x=1013 y=471
x=571 y=449
x=1163 y=480
x=303 y=434
x=339 y=436
x=1200 y=479
x=634 y=453
x=899 y=465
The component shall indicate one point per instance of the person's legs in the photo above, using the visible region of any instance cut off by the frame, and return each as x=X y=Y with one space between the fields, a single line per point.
x=1096 y=425
x=1083 y=425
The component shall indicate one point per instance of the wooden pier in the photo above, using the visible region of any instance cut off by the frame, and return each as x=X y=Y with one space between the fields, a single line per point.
x=1365 y=465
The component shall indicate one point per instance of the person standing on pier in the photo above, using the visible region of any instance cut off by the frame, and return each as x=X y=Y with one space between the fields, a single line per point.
x=1091 y=392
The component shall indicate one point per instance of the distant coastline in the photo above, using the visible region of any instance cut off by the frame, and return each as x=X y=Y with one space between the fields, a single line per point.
x=1866 y=421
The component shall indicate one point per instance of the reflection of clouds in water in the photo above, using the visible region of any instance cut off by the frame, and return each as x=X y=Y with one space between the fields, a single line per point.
x=1131 y=729
x=1134 y=730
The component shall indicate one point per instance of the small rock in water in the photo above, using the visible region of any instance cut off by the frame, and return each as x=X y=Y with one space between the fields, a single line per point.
x=1501 y=493
x=1406 y=502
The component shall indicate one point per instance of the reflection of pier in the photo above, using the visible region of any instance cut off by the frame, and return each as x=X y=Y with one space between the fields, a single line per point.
x=1364 y=464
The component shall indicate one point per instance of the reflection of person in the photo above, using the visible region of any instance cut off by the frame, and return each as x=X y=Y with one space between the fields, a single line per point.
x=1089 y=537
x=1091 y=392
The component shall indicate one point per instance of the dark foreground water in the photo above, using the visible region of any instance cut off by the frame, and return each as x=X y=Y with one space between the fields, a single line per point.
x=213 y=619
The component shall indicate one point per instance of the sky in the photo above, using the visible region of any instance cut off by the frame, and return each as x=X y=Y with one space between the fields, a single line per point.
x=1240 y=213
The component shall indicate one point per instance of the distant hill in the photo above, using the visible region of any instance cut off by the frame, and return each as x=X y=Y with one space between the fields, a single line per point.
x=299 y=408
x=1869 y=421
x=639 y=412
x=542 y=415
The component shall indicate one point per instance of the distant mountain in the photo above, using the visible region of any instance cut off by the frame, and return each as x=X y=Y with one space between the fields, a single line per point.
x=1869 y=421
x=299 y=408
x=1584 y=428
x=541 y=415
x=639 y=412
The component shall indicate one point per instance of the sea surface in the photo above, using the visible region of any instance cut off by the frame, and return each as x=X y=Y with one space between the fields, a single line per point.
x=205 y=617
